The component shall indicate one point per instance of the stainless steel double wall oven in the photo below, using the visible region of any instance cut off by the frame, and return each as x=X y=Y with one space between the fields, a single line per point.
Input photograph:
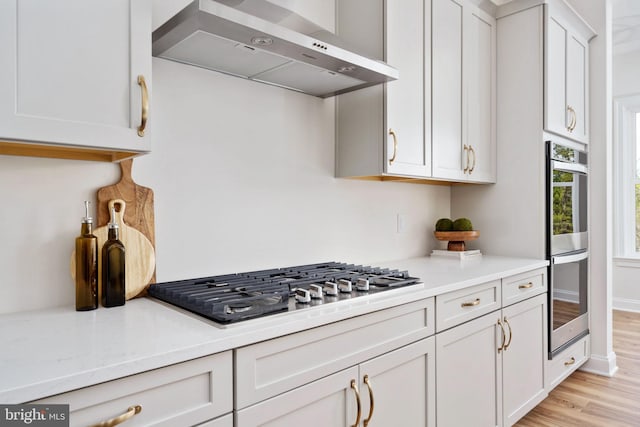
x=567 y=245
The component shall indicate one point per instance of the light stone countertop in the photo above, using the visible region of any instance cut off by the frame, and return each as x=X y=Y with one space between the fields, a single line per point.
x=52 y=351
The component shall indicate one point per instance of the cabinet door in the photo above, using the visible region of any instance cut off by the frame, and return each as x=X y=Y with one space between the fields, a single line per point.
x=524 y=358
x=577 y=81
x=410 y=370
x=448 y=154
x=70 y=71
x=566 y=79
x=469 y=374
x=407 y=150
x=463 y=128
x=480 y=79
x=556 y=113
x=330 y=401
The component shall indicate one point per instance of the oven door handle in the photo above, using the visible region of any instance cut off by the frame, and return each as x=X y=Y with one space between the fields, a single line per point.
x=569 y=167
x=566 y=259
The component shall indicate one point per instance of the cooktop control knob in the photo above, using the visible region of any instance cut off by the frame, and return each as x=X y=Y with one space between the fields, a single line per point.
x=362 y=284
x=315 y=291
x=303 y=296
x=345 y=286
x=331 y=288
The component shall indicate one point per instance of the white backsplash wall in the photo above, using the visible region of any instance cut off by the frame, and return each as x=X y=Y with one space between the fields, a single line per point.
x=243 y=175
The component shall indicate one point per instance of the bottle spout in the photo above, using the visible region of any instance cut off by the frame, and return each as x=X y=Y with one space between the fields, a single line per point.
x=87 y=218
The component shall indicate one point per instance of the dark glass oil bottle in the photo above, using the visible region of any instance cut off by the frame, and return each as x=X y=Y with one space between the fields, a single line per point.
x=86 y=265
x=113 y=268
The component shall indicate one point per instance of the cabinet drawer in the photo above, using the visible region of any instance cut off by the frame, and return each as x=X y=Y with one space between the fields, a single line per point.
x=187 y=393
x=522 y=286
x=566 y=362
x=272 y=367
x=465 y=304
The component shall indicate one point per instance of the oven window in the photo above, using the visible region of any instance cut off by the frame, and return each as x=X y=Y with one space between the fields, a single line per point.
x=569 y=291
x=564 y=203
x=569 y=203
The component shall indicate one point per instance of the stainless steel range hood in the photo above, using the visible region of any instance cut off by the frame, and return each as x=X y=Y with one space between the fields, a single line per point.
x=261 y=41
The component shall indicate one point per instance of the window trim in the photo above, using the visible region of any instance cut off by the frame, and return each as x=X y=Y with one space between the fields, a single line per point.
x=626 y=109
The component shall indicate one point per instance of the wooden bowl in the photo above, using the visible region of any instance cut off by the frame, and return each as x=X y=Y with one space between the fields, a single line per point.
x=456 y=239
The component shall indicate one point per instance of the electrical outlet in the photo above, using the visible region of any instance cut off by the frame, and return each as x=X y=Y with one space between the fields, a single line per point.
x=401 y=223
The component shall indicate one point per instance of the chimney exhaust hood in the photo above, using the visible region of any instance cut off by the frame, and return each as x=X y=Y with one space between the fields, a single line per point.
x=264 y=42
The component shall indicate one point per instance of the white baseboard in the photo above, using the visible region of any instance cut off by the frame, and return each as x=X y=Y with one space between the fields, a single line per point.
x=601 y=365
x=568 y=296
x=626 y=304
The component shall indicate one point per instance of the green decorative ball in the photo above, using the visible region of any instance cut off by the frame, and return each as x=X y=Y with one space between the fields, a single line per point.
x=444 y=224
x=462 y=224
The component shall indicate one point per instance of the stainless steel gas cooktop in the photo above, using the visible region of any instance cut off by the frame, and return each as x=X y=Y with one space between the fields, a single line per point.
x=235 y=297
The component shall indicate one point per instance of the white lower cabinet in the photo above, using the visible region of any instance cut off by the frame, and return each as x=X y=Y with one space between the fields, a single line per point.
x=402 y=385
x=468 y=374
x=491 y=370
x=372 y=370
x=330 y=401
x=565 y=363
x=184 y=394
x=396 y=388
x=524 y=359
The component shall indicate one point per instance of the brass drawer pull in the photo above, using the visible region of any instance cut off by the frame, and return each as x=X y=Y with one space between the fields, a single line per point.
x=572 y=123
x=466 y=150
x=395 y=146
x=527 y=286
x=506 y=322
x=503 y=336
x=570 y=362
x=365 y=423
x=470 y=304
x=473 y=165
x=355 y=389
x=131 y=412
x=145 y=105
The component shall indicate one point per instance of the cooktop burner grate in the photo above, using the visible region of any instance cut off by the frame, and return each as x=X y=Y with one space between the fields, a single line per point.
x=235 y=297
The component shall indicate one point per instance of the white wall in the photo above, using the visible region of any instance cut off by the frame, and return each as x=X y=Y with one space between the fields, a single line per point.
x=626 y=69
x=243 y=179
x=626 y=272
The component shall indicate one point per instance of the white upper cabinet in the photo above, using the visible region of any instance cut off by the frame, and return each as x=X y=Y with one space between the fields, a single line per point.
x=407 y=150
x=385 y=130
x=566 y=72
x=463 y=103
x=70 y=78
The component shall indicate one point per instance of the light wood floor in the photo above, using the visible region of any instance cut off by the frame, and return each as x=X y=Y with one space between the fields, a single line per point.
x=593 y=401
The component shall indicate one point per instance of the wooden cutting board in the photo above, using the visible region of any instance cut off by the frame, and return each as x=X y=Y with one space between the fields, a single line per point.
x=139 y=200
x=140 y=259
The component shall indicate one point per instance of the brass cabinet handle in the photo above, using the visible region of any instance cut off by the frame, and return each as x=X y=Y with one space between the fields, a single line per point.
x=527 y=286
x=145 y=105
x=466 y=150
x=395 y=146
x=355 y=389
x=503 y=336
x=572 y=123
x=570 y=362
x=368 y=383
x=506 y=322
x=131 y=412
x=473 y=165
x=470 y=304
